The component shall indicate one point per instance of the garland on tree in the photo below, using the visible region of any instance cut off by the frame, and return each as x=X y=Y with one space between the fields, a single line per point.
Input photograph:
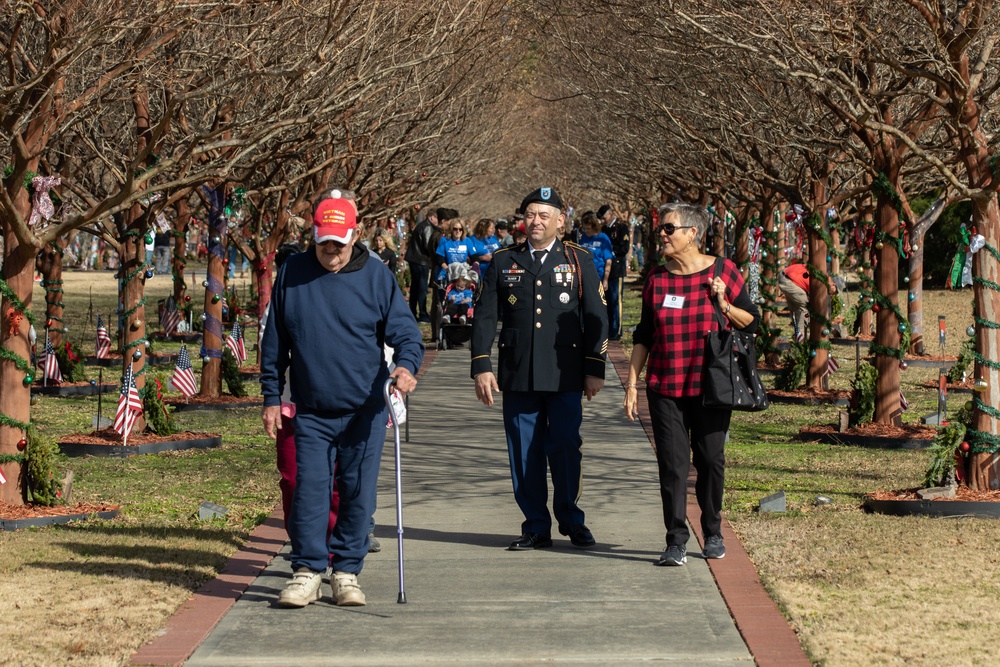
x=982 y=442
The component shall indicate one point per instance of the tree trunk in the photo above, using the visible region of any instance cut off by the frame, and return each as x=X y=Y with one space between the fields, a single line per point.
x=15 y=395
x=887 y=334
x=915 y=275
x=49 y=262
x=769 y=270
x=211 y=371
x=132 y=290
x=834 y=258
x=984 y=468
x=179 y=260
x=819 y=293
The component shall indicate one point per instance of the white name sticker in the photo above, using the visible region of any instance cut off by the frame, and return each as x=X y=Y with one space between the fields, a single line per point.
x=671 y=301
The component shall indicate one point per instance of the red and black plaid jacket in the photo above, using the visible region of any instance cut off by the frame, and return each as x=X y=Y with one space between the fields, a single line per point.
x=675 y=337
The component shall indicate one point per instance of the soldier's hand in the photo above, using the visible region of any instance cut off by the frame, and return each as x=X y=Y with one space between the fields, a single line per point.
x=591 y=386
x=486 y=384
x=271 y=416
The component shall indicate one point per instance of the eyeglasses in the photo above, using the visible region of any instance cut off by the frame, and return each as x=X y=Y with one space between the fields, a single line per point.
x=456 y=229
x=669 y=228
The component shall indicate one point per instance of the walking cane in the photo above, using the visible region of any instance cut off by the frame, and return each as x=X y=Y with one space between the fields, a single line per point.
x=386 y=391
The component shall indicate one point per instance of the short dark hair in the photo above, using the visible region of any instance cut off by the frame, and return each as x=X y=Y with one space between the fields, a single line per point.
x=445 y=214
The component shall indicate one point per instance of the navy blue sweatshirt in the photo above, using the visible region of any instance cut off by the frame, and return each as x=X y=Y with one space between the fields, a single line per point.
x=331 y=328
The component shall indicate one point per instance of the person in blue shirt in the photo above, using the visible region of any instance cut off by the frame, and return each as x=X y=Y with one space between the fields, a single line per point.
x=453 y=247
x=484 y=244
x=599 y=245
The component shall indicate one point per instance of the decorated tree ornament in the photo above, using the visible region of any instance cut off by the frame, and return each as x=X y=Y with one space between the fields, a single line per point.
x=137 y=355
x=187 y=297
x=135 y=325
x=48 y=324
x=93 y=383
x=879 y=245
x=981 y=384
x=216 y=240
x=914 y=247
x=149 y=273
x=902 y=328
x=65 y=330
x=971 y=331
x=826 y=332
x=763 y=253
x=146 y=344
x=871 y=299
x=912 y=297
x=28 y=379
x=829 y=259
x=812 y=353
x=968 y=406
x=965 y=446
x=204 y=359
x=148 y=238
x=906 y=279
x=204 y=283
x=203 y=317
x=216 y=298
x=877 y=308
x=33 y=400
x=21 y=444
x=903 y=365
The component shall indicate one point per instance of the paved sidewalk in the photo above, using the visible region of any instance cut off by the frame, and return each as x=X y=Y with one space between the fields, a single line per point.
x=472 y=602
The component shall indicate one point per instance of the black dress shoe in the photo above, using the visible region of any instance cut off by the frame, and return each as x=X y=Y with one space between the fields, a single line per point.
x=529 y=541
x=579 y=536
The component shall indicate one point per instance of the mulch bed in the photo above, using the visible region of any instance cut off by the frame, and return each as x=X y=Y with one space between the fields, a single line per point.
x=906 y=431
x=830 y=395
x=224 y=399
x=950 y=386
x=108 y=436
x=10 y=512
x=962 y=493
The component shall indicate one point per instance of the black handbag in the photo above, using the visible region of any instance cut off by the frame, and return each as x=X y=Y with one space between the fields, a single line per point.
x=731 y=378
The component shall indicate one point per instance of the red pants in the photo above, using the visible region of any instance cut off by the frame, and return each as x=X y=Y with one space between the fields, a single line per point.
x=288 y=469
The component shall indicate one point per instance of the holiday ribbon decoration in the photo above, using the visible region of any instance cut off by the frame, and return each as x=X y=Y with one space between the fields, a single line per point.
x=41 y=202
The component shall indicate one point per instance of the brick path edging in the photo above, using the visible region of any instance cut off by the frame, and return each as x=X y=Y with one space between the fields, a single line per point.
x=770 y=639
x=192 y=622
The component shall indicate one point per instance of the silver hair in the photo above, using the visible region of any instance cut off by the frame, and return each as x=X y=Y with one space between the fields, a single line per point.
x=689 y=215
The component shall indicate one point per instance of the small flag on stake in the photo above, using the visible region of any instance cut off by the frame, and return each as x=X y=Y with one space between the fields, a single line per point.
x=902 y=401
x=832 y=365
x=183 y=379
x=52 y=371
x=129 y=406
x=103 y=340
x=235 y=343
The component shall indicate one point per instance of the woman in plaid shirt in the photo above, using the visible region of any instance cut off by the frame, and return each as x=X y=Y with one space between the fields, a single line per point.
x=677 y=312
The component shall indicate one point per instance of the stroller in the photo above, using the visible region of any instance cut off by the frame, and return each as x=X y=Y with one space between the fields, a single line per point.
x=454 y=331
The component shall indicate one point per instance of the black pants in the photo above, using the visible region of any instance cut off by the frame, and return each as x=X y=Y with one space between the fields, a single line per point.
x=672 y=420
x=419 y=275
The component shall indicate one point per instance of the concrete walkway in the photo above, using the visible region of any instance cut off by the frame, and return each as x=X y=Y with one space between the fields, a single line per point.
x=472 y=602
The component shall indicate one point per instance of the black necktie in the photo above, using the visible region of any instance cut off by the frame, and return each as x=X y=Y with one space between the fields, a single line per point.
x=539 y=256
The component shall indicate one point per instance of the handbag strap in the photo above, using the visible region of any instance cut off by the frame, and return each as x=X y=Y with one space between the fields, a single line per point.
x=719 y=317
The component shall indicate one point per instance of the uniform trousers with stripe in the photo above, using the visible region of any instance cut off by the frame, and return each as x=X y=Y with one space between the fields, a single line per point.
x=544 y=427
x=682 y=426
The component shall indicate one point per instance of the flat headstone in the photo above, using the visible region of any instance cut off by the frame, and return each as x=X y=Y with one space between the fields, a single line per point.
x=67 y=486
x=773 y=503
x=100 y=422
x=937 y=492
x=845 y=421
x=209 y=510
x=823 y=500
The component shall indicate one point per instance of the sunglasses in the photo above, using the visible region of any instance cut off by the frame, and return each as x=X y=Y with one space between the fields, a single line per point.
x=670 y=228
x=457 y=229
x=336 y=244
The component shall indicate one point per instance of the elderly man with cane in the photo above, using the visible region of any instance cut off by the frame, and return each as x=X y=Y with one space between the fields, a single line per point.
x=333 y=308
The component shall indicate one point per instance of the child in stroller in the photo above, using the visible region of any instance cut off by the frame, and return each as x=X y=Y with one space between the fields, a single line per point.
x=459 y=295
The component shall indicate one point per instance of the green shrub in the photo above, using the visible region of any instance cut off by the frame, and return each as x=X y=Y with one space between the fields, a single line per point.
x=941 y=467
x=795 y=366
x=42 y=488
x=862 y=408
x=231 y=374
x=157 y=417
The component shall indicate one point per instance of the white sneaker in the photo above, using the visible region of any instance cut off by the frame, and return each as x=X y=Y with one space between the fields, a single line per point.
x=446 y=319
x=462 y=319
x=346 y=591
x=302 y=589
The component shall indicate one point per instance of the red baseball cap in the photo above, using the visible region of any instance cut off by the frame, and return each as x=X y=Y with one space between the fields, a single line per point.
x=335 y=220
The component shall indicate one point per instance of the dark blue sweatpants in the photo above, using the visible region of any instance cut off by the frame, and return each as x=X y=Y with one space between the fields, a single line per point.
x=354 y=444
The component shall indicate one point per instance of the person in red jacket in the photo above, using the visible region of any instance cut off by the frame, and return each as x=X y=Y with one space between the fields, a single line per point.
x=794 y=283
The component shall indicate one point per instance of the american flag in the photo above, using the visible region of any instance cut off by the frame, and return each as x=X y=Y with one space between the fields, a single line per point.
x=800 y=336
x=171 y=317
x=832 y=365
x=52 y=371
x=235 y=343
x=183 y=379
x=103 y=339
x=3 y=480
x=129 y=405
x=903 y=405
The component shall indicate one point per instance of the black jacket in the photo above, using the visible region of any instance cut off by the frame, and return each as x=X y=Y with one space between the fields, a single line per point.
x=419 y=249
x=555 y=323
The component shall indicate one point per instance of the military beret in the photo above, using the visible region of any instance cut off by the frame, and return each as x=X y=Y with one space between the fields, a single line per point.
x=546 y=196
x=601 y=211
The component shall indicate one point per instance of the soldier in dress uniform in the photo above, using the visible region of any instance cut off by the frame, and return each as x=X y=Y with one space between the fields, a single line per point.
x=552 y=351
